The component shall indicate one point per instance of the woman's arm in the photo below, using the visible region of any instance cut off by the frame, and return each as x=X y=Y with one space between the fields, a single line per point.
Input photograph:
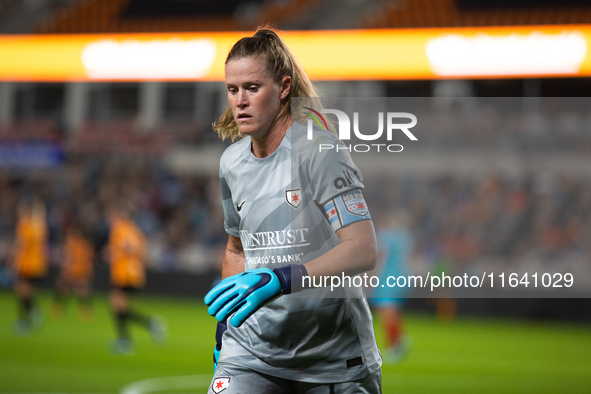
x=233 y=262
x=242 y=295
x=357 y=252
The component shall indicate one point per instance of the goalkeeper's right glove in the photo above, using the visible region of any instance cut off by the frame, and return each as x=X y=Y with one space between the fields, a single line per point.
x=245 y=293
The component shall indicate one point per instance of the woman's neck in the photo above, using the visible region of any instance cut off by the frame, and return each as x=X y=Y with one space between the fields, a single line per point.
x=265 y=146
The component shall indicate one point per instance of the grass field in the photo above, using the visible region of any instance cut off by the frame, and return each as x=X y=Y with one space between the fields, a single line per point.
x=467 y=355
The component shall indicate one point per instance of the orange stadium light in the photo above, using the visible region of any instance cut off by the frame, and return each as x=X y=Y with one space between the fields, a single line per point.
x=435 y=53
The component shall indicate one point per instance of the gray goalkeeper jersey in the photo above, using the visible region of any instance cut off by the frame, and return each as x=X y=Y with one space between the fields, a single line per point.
x=276 y=205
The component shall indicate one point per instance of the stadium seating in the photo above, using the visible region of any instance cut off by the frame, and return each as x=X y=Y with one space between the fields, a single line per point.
x=110 y=16
x=105 y=16
x=447 y=13
x=30 y=130
x=116 y=136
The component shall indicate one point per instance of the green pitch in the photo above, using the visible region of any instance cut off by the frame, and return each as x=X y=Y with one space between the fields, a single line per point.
x=467 y=355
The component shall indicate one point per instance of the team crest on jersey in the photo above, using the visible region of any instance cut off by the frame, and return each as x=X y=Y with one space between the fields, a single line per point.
x=220 y=384
x=293 y=197
x=355 y=203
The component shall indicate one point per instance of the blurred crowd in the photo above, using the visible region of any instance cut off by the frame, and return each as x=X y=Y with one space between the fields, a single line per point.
x=463 y=220
x=527 y=125
x=525 y=218
x=180 y=216
x=538 y=221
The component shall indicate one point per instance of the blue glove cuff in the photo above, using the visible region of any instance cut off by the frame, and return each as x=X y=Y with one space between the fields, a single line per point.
x=290 y=274
x=219 y=333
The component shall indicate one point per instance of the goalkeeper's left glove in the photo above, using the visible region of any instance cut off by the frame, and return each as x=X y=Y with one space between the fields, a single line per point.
x=245 y=293
x=219 y=333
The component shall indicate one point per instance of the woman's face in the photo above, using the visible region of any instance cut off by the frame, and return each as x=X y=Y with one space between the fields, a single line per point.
x=253 y=95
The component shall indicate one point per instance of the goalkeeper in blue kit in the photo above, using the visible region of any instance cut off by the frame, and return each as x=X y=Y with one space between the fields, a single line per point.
x=289 y=221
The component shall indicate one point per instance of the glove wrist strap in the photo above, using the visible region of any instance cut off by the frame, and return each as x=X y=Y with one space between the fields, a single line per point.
x=289 y=275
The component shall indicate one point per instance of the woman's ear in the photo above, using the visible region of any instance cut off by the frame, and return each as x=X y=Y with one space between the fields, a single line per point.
x=285 y=87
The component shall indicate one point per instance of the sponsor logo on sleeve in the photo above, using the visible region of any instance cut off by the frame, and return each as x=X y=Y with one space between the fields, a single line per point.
x=347 y=179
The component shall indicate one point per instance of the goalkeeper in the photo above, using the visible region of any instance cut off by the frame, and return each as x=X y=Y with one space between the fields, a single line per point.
x=291 y=213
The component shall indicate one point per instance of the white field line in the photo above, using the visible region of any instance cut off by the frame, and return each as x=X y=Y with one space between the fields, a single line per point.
x=167 y=383
x=414 y=380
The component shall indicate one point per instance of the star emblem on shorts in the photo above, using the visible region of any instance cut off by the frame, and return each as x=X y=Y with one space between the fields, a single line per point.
x=220 y=384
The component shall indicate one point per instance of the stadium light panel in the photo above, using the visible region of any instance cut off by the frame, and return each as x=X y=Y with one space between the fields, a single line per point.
x=388 y=54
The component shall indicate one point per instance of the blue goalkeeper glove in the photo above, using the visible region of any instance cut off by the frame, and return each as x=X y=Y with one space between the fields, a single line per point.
x=219 y=333
x=245 y=293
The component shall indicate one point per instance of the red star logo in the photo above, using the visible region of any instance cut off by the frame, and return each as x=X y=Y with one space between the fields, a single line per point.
x=219 y=385
x=295 y=198
x=333 y=212
x=360 y=206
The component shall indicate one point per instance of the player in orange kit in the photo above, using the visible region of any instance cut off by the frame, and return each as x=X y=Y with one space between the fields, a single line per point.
x=29 y=261
x=76 y=272
x=127 y=246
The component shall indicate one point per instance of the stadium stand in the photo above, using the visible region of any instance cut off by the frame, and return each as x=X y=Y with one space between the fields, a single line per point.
x=125 y=16
x=117 y=136
x=120 y=16
x=21 y=17
x=30 y=130
x=457 y=13
x=100 y=16
x=528 y=214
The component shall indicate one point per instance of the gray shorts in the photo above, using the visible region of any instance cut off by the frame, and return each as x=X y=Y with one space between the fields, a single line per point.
x=233 y=379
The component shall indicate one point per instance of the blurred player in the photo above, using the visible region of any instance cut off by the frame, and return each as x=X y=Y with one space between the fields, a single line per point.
x=395 y=244
x=126 y=247
x=76 y=272
x=280 y=198
x=29 y=261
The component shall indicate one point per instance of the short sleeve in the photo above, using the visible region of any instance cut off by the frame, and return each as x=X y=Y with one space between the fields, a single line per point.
x=332 y=172
x=231 y=218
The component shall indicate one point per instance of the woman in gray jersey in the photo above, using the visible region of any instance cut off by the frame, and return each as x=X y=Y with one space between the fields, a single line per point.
x=295 y=215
